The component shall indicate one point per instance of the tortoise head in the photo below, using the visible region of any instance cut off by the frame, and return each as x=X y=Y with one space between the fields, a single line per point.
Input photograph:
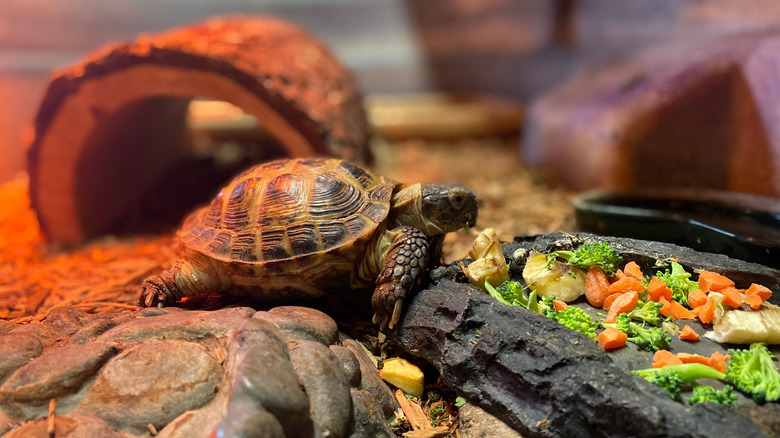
x=449 y=207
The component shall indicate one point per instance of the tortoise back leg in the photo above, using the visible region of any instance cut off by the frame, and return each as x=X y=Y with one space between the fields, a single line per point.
x=189 y=276
x=401 y=270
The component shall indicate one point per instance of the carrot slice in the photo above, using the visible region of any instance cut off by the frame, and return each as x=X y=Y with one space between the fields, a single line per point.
x=688 y=334
x=626 y=284
x=596 y=287
x=559 y=305
x=633 y=270
x=754 y=301
x=610 y=299
x=612 y=338
x=718 y=361
x=619 y=274
x=731 y=297
x=661 y=358
x=760 y=290
x=693 y=358
x=707 y=311
x=678 y=311
x=657 y=289
x=622 y=304
x=673 y=309
x=712 y=281
x=697 y=298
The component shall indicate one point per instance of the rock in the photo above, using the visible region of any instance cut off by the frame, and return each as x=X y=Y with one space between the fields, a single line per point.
x=152 y=383
x=92 y=330
x=264 y=374
x=474 y=422
x=368 y=417
x=192 y=325
x=64 y=321
x=5 y=423
x=244 y=420
x=16 y=349
x=54 y=375
x=349 y=364
x=67 y=426
x=303 y=323
x=371 y=381
x=326 y=385
x=541 y=378
x=6 y=326
x=698 y=100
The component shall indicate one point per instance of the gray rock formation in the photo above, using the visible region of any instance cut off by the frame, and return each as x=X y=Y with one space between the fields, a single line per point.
x=234 y=371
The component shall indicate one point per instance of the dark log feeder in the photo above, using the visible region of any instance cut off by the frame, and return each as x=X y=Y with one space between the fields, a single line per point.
x=113 y=125
x=545 y=380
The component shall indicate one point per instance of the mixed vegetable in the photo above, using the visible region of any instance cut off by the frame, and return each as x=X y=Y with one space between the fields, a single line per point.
x=640 y=309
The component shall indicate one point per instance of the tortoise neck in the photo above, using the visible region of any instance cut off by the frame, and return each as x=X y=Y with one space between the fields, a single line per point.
x=406 y=210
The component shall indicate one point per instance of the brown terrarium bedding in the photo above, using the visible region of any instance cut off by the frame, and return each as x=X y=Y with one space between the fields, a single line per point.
x=106 y=273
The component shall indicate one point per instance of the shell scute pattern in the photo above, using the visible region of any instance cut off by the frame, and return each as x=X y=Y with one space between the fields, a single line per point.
x=288 y=209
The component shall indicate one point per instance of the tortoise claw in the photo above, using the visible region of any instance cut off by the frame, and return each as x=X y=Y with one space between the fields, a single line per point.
x=397 y=309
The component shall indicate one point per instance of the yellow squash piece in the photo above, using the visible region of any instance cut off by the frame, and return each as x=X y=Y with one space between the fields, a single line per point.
x=489 y=263
x=404 y=375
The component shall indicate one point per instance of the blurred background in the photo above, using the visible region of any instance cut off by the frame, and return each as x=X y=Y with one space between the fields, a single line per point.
x=515 y=50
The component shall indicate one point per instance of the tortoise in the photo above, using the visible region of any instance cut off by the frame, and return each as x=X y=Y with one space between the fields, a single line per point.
x=308 y=227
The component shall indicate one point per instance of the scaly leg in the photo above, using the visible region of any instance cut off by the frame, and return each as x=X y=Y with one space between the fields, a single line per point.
x=188 y=276
x=401 y=270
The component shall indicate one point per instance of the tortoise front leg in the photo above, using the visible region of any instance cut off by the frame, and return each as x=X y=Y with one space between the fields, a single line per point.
x=401 y=270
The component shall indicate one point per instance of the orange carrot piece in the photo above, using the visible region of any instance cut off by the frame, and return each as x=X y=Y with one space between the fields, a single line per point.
x=633 y=270
x=559 y=305
x=760 y=290
x=718 y=361
x=666 y=307
x=622 y=304
x=612 y=338
x=626 y=284
x=610 y=299
x=673 y=309
x=657 y=289
x=697 y=298
x=688 y=334
x=678 y=311
x=712 y=281
x=731 y=297
x=707 y=311
x=596 y=287
x=619 y=274
x=661 y=358
x=754 y=301
x=693 y=358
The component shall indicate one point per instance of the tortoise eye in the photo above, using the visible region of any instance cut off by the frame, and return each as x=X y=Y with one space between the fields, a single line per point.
x=457 y=199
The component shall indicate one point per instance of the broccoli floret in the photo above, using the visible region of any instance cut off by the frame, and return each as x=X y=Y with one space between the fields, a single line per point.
x=753 y=372
x=509 y=293
x=512 y=291
x=667 y=379
x=547 y=306
x=646 y=338
x=706 y=393
x=647 y=312
x=678 y=280
x=671 y=377
x=593 y=254
x=576 y=319
x=649 y=338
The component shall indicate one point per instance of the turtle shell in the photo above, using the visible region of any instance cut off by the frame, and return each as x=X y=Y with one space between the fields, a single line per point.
x=288 y=209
